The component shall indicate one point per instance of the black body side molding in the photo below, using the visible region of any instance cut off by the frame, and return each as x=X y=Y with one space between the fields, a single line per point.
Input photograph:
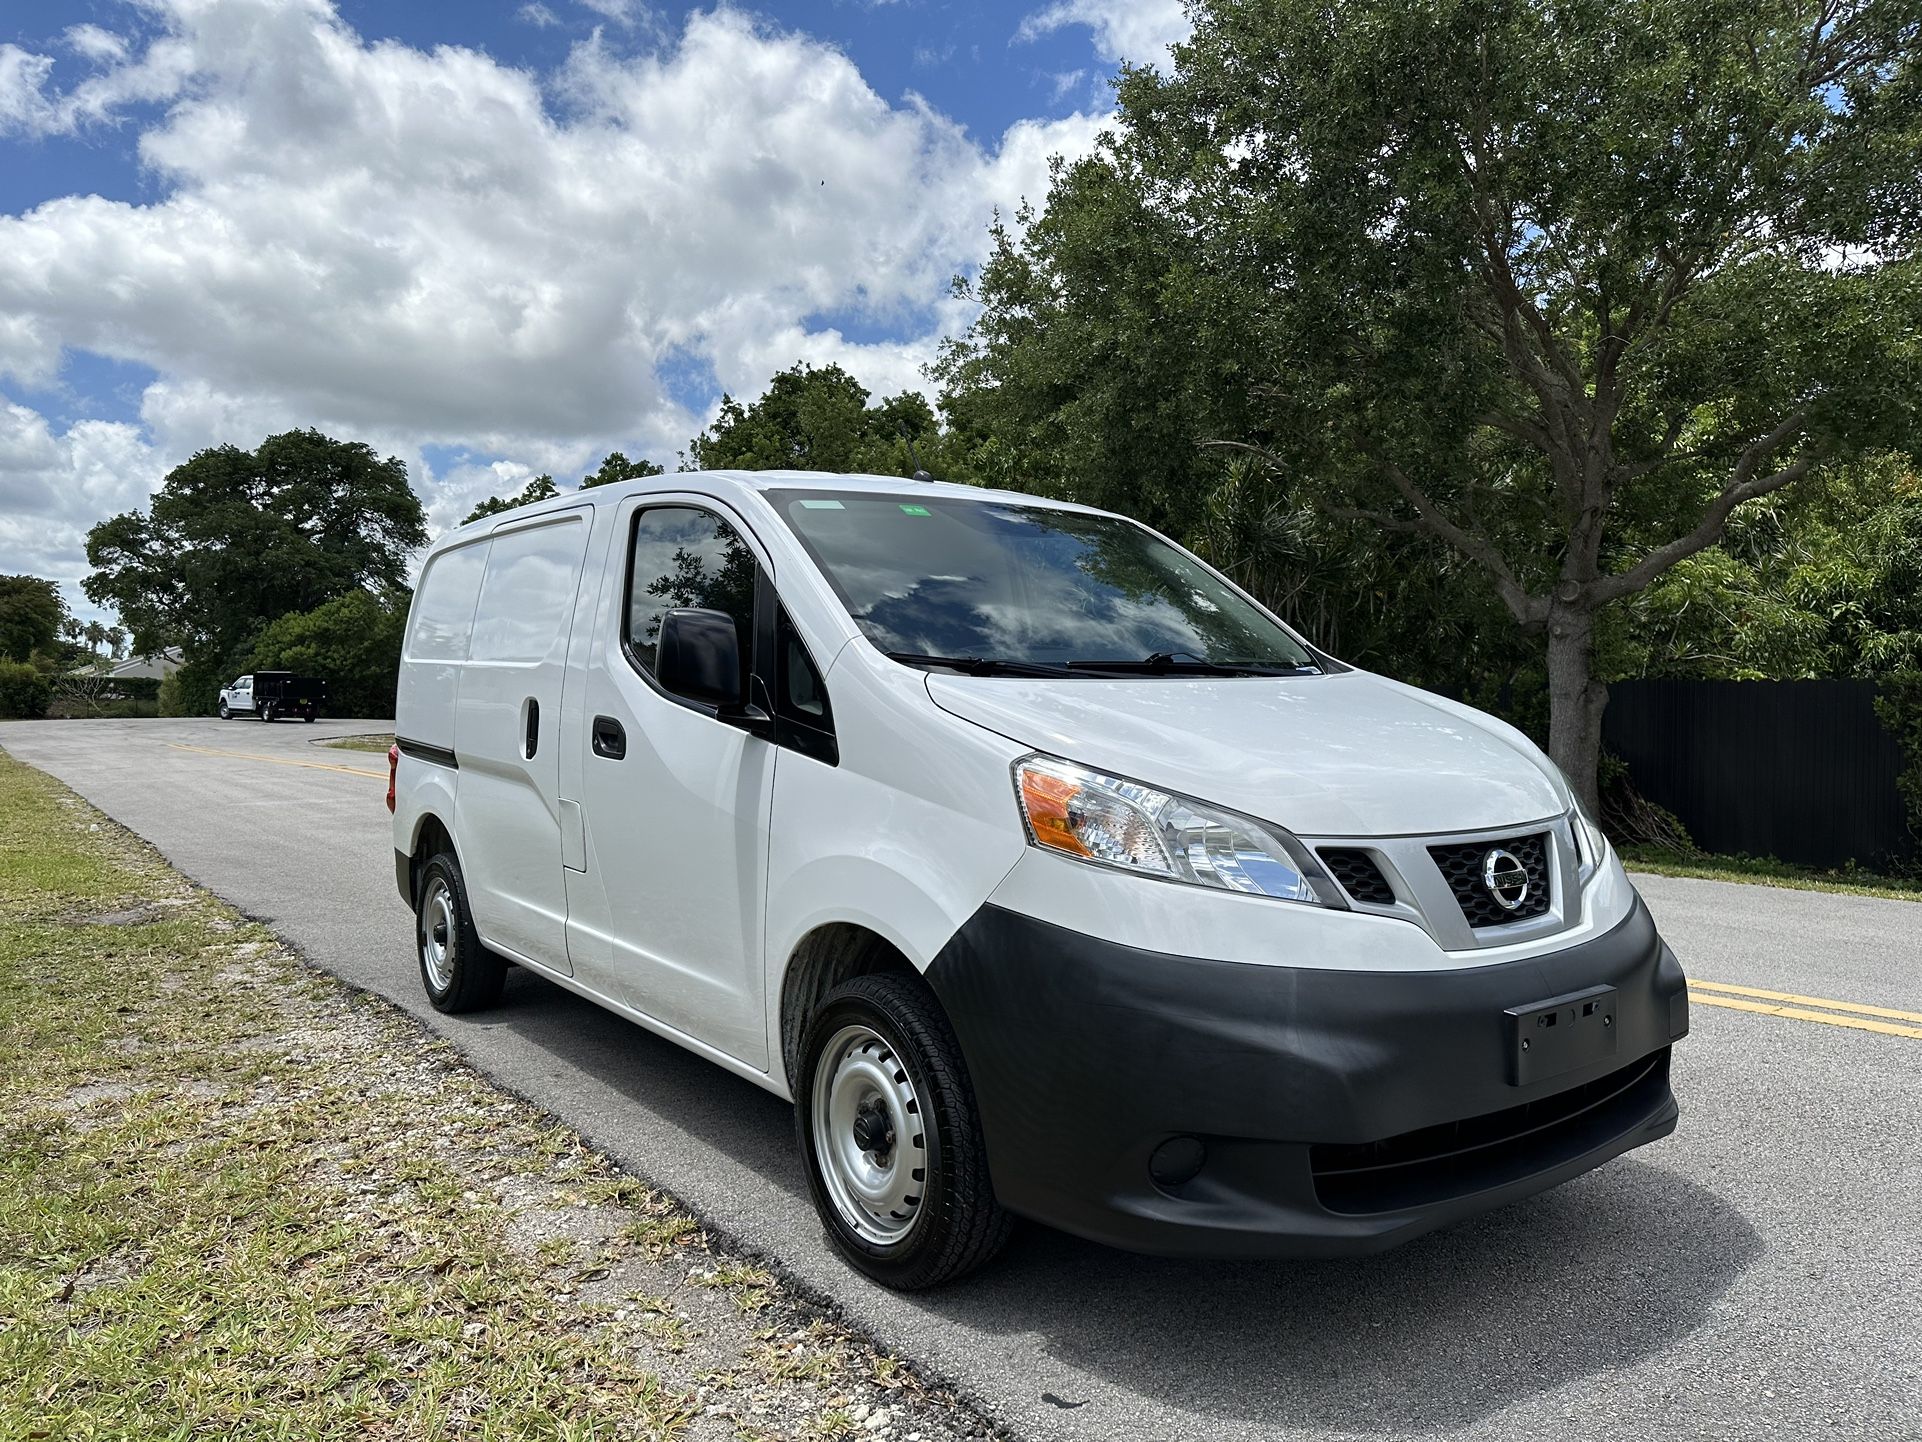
x=421 y=751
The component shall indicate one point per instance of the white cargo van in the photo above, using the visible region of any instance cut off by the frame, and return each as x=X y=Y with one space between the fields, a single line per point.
x=1046 y=872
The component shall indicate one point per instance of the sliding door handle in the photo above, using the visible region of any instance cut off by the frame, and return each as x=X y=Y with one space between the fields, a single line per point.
x=610 y=740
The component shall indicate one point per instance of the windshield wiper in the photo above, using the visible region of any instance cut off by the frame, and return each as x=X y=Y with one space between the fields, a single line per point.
x=1167 y=663
x=978 y=665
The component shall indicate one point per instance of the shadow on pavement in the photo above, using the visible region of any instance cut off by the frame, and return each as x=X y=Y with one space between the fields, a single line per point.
x=1427 y=1338
x=1448 y=1329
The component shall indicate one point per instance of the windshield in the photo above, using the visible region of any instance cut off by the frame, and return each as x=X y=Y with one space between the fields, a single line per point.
x=987 y=581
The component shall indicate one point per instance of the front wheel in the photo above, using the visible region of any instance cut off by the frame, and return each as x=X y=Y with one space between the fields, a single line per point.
x=458 y=972
x=225 y=714
x=895 y=1159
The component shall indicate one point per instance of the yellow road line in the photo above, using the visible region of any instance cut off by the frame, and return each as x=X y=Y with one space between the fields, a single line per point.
x=280 y=760
x=1796 y=1013
x=1888 y=1012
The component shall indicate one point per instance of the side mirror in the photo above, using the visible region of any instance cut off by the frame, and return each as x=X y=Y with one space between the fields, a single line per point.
x=699 y=657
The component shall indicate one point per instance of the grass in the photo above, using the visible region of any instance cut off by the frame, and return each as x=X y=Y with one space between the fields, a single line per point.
x=1766 y=871
x=239 y=1200
x=377 y=742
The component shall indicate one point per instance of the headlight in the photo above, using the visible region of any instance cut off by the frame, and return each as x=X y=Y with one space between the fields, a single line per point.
x=1132 y=827
x=1588 y=835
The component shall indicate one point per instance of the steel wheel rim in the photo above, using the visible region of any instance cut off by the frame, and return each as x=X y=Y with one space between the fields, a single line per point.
x=437 y=934
x=862 y=1093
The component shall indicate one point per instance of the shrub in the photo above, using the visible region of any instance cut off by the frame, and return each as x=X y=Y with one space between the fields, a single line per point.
x=171 y=702
x=196 y=686
x=351 y=642
x=24 y=692
x=1630 y=819
x=1899 y=707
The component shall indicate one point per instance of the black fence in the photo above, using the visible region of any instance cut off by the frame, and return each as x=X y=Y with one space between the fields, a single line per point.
x=1799 y=770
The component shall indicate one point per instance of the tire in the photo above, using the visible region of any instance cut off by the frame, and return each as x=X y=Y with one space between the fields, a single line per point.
x=225 y=714
x=308 y=717
x=878 y=1058
x=267 y=712
x=458 y=973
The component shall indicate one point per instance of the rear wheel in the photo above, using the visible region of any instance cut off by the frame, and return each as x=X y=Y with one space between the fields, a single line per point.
x=888 y=1127
x=458 y=972
x=267 y=711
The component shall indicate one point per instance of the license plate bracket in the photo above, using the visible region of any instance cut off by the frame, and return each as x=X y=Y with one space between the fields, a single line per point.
x=1547 y=1038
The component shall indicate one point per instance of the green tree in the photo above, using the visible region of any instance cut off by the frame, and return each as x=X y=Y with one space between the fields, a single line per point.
x=1821 y=579
x=541 y=488
x=24 y=691
x=618 y=467
x=1555 y=285
x=236 y=538
x=817 y=418
x=1104 y=350
x=33 y=616
x=351 y=642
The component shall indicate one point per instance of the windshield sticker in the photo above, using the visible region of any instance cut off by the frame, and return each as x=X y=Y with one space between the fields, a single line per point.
x=822 y=506
x=916 y=511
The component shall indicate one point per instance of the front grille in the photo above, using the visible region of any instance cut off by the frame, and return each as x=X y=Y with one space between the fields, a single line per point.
x=1461 y=863
x=1358 y=875
x=1457 y=1158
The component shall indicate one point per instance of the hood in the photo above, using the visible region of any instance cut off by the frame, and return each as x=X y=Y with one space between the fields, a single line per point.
x=1347 y=754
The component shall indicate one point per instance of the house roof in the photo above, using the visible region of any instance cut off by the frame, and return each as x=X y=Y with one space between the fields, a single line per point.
x=161 y=664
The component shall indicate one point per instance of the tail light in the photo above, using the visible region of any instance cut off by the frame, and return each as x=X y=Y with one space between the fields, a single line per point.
x=393 y=765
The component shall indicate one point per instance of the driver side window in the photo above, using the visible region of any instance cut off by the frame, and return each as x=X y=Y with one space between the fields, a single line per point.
x=686 y=556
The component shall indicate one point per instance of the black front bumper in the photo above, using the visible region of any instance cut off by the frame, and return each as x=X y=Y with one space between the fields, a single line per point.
x=1339 y=1111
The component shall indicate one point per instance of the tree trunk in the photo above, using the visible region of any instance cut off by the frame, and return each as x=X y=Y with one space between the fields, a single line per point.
x=1575 y=702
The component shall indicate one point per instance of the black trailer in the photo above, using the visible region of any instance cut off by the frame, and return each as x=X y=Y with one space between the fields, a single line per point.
x=282 y=693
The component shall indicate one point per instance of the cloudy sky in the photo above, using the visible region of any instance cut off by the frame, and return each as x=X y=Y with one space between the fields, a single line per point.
x=492 y=237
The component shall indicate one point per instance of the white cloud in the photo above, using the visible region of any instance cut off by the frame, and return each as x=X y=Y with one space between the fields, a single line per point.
x=91 y=42
x=621 y=12
x=538 y=14
x=24 y=105
x=435 y=249
x=53 y=487
x=1134 y=30
x=30 y=105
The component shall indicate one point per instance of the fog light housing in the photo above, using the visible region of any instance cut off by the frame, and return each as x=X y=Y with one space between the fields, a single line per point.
x=1177 y=1160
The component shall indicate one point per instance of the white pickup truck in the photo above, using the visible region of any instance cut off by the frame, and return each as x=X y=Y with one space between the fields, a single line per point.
x=270 y=695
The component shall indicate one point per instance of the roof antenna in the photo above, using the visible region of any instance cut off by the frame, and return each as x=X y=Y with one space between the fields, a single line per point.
x=919 y=474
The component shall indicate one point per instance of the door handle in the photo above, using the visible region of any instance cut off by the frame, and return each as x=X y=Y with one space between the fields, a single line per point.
x=533 y=727
x=609 y=739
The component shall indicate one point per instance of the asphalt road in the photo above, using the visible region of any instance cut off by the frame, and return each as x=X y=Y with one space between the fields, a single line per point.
x=1757 y=1274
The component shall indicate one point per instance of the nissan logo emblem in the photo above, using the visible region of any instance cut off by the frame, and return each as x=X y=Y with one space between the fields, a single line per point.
x=1506 y=879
